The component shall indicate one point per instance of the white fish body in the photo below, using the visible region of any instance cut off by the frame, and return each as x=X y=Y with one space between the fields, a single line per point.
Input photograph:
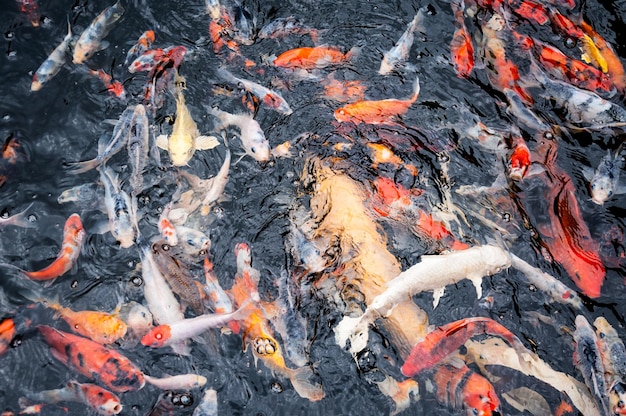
x=399 y=53
x=90 y=41
x=433 y=272
x=604 y=181
x=185 y=138
x=217 y=186
x=252 y=137
x=208 y=404
x=51 y=66
x=138 y=147
x=178 y=382
x=120 y=209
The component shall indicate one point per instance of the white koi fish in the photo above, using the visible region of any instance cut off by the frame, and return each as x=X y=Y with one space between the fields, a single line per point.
x=208 y=404
x=433 y=272
x=217 y=185
x=398 y=54
x=269 y=98
x=179 y=382
x=603 y=182
x=192 y=241
x=90 y=41
x=138 y=147
x=120 y=209
x=252 y=137
x=185 y=138
x=52 y=65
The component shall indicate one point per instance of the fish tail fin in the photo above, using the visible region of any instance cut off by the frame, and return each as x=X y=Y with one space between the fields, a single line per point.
x=226 y=75
x=81 y=167
x=21 y=219
x=355 y=51
x=300 y=379
x=416 y=89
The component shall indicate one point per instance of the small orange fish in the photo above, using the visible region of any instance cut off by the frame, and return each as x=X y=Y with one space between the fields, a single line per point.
x=444 y=340
x=314 y=57
x=460 y=387
x=93 y=360
x=73 y=237
x=113 y=86
x=461 y=46
x=7 y=333
x=437 y=230
x=343 y=91
x=531 y=11
x=383 y=154
x=101 y=327
x=377 y=112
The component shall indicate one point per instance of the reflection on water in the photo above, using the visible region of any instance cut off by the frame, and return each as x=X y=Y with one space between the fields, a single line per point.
x=430 y=170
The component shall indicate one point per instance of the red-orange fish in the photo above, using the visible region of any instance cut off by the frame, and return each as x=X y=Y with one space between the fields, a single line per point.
x=113 y=86
x=377 y=112
x=93 y=360
x=314 y=57
x=461 y=46
x=461 y=388
x=30 y=8
x=7 y=333
x=519 y=159
x=444 y=340
x=613 y=63
x=73 y=236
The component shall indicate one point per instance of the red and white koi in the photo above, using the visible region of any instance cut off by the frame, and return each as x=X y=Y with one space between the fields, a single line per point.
x=269 y=98
x=217 y=298
x=142 y=45
x=30 y=8
x=519 y=159
x=53 y=63
x=90 y=41
x=73 y=238
x=461 y=46
x=400 y=51
x=113 y=86
x=102 y=401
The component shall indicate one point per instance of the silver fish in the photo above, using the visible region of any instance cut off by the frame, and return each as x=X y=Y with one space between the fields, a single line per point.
x=90 y=41
x=120 y=209
x=51 y=66
x=102 y=401
x=138 y=147
x=19 y=220
x=399 y=53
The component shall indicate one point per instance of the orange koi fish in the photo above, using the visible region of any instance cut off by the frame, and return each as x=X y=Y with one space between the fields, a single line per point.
x=113 y=86
x=390 y=197
x=11 y=154
x=531 y=11
x=7 y=333
x=98 y=326
x=314 y=57
x=383 y=154
x=143 y=44
x=73 y=237
x=519 y=159
x=344 y=91
x=437 y=230
x=461 y=46
x=590 y=50
x=30 y=9
x=377 y=112
x=444 y=340
x=257 y=333
x=460 y=387
x=93 y=360
x=613 y=63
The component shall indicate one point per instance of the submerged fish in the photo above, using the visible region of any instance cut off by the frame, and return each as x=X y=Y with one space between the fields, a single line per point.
x=102 y=401
x=52 y=65
x=398 y=54
x=120 y=209
x=90 y=41
x=604 y=181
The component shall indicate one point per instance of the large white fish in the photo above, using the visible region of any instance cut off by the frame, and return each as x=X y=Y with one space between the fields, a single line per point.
x=51 y=66
x=185 y=138
x=178 y=382
x=138 y=147
x=433 y=272
x=252 y=137
x=90 y=41
x=121 y=210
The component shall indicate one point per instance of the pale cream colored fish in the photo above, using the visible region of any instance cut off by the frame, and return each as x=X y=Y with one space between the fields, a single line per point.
x=90 y=41
x=179 y=382
x=185 y=138
x=433 y=272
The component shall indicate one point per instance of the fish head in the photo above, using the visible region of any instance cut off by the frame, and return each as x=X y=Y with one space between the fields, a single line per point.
x=124 y=235
x=601 y=189
x=258 y=147
x=480 y=397
x=106 y=402
x=139 y=319
x=157 y=337
x=81 y=53
x=496 y=259
x=181 y=149
x=343 y=115
x=617 y=398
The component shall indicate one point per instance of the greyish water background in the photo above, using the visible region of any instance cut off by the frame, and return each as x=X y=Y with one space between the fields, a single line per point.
x=63 y=122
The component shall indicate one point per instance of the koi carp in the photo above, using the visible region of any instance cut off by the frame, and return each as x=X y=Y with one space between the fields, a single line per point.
x=604 y=181
x=7 y=333
x=519 y=159
x=178 y=382
x=377 y=112
x=120 y=209
x=93 y=361
x=251 y=135
x=207 y=405
x=614 y=65
x=73 y=238
x=314 y=57
x=53 y=63
x=142 y=45
x=30 y=9
x=444 y=340
x=218 y=299
x=400 y=51
x=102 y=401
x=115 y=87
x=461 y=46
x=286 y=26
x=185 y=138
x=90 y=41
x=613 y=354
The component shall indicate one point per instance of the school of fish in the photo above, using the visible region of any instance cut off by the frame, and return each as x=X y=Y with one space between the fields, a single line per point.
x=361 y=254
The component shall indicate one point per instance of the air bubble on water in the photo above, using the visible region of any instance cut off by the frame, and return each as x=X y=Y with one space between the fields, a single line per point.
x=11 y=54
x=430 y=10
x=570 y=42
x=506 y=217
x=6 y=117
x=45 y=21
x=74 y=284
x=137 y=281
x=9 y=34
x=532 y=288
x=32 y=218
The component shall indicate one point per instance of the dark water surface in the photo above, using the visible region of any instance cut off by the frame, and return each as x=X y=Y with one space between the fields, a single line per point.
x=63 y=122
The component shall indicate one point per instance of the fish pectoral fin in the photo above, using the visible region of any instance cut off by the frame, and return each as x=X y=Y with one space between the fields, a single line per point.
x=437 y=294
x=162 y=141
x=477 y=281
x=206 y=142
x=621 y=189
x=588 y=173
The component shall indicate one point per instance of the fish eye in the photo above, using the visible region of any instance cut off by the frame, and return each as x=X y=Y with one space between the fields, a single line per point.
x=191 y=242
x=158 y=335
x=253 y=149
x=100 y=394
x=593 y=186
x=610 y=193
x=475 y=411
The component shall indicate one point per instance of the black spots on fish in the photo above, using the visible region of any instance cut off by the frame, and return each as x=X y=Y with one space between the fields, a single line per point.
x=119 y=374
x=80 y=358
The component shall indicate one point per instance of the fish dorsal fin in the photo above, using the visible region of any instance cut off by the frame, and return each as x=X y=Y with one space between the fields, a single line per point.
x=162 y=141
x=206 y=142
x=437 y=294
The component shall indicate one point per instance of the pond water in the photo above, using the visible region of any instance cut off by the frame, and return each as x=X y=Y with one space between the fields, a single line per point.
x=63 y=122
